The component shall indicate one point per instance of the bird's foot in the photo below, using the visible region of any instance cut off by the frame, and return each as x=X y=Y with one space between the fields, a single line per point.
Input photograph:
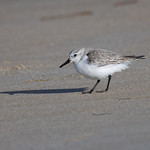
x=101 y=91
x=87 y=92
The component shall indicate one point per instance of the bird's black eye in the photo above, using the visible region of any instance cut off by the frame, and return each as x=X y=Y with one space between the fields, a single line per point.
x=75 y=55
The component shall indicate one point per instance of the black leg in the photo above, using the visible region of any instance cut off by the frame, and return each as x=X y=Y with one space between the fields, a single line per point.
x=92 y=88
x=109 y=78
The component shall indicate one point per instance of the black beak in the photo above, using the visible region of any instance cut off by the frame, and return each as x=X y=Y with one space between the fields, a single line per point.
x=65 y=63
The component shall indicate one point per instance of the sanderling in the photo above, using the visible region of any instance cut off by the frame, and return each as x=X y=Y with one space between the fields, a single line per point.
x=99 y=63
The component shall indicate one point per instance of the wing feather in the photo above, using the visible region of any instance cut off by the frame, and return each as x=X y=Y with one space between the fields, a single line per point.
x=105 y=57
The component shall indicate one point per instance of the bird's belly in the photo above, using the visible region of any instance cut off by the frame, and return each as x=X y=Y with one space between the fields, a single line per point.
x=95 y=72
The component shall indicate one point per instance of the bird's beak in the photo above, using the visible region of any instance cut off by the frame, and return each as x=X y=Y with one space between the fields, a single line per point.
x=65 y=63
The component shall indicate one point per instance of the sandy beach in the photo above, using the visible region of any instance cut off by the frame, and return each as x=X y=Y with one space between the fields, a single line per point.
x=42 y=106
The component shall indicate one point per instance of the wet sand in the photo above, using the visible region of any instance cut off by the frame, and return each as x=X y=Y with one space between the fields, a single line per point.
x=41 y=105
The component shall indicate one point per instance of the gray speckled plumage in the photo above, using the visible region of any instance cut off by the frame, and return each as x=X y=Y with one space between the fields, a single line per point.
x=102 y=57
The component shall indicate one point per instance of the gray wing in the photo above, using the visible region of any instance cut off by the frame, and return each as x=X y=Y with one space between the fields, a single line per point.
x=105 y=57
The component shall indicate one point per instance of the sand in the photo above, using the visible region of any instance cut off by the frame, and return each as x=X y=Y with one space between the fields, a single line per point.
x=41 y=105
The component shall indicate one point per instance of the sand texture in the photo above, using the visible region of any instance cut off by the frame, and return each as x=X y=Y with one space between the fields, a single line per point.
x=41 y=105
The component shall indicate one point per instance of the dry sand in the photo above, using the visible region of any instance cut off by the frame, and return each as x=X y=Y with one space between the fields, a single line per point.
x=41 y=106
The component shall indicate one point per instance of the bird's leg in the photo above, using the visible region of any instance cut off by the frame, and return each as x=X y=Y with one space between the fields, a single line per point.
x=92 y=88
x=109 y=78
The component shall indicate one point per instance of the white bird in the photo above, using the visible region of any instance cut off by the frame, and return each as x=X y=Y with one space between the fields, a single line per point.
x=99 y=63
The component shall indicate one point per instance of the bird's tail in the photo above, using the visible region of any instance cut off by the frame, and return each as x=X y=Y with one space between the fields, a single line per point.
x=135 y=57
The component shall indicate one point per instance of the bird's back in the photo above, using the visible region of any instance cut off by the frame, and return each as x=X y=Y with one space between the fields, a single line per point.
x=103 y=57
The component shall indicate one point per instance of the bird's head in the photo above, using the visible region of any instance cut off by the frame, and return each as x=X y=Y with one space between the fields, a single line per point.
x=74 y=56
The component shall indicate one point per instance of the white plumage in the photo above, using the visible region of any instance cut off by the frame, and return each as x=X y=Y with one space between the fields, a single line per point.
x=93 y=71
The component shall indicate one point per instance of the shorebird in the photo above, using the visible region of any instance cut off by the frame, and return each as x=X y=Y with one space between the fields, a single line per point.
x=99 y=64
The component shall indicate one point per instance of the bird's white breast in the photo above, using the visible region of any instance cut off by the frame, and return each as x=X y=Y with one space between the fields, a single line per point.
x=93 y=71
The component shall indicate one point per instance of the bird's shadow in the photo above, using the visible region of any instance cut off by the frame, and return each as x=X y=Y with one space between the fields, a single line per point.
x=45 y=91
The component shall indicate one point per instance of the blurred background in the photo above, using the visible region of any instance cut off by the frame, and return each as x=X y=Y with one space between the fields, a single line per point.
x=41 y=107
x=41 y=30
